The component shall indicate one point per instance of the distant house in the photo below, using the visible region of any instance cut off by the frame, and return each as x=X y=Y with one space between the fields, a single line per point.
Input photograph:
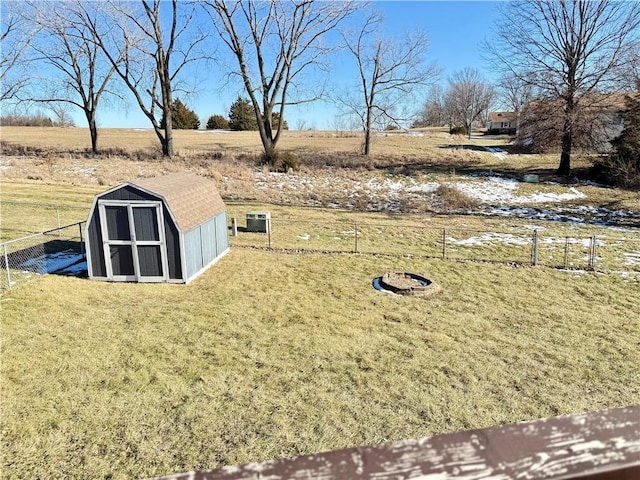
x=502 y=123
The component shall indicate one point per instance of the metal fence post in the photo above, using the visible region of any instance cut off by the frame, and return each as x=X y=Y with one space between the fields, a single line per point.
x=6 y=265
x=81 y=239
x=269 y=232
x=58 y=218
x=355 y=229
x=534 y=249
x=566 y=253
x=592 y=253
x=444 y=243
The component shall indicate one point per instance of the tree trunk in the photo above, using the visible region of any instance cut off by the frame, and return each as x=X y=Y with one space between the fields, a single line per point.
x=167 y=145
x=565 y=156
x=567 y=138
x=167 y=100
x=367 y=133
x=93 y=130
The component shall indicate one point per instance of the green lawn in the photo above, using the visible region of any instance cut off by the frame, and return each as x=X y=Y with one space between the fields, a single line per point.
x=270 y=355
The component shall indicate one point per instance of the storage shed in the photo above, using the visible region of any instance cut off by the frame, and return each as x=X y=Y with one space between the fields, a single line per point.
x=163 y=229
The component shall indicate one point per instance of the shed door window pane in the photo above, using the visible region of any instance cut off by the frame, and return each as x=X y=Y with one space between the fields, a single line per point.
x=150 y=261
x=145 y=220
x=117 y=223
x=122 y=259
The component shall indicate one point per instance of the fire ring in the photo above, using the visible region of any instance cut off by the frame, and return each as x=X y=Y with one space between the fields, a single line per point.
x=405 y=283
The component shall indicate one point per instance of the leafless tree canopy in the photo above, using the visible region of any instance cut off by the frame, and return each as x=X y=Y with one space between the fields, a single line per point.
x=567 y=50
x=273 y=44
x=147 y=50
x=468 y=98
x=389 y=70
x=433 y=113
x=14 y=40
x=81 y=73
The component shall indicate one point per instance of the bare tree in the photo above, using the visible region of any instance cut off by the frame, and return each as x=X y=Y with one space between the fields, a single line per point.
x=62 y=114
x=389 y=71
x=273 y=44
x=68 y=47
x=14 y=40
x=433 y=113
x=147 y=50
x=516 y=95
x=566 y=49
x=469 y=98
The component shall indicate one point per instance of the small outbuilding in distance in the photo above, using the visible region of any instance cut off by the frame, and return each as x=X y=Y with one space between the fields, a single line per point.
x=163 y=229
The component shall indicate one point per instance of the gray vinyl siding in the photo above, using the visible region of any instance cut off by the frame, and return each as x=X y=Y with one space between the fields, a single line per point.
x=222 y=233
x=204 y=243
x=208 y=236
x=193 y=251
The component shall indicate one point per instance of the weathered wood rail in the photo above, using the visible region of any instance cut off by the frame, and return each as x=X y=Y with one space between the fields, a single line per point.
x=601 y=445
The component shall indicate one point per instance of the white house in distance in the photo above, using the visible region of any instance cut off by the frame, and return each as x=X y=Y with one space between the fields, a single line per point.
x=502 y=122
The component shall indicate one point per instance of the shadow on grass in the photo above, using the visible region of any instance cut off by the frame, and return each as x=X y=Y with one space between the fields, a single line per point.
x=57 y=257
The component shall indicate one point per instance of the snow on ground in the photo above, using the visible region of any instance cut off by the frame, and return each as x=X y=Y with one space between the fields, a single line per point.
x=498 y=152
x=54 y=262
x=494 y=190
x=632 y=258
x=490 y=238
x=497 y=196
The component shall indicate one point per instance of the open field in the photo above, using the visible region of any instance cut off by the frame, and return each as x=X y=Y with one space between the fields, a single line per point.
x=402 y=175
x=271 y=354
x=496 y=239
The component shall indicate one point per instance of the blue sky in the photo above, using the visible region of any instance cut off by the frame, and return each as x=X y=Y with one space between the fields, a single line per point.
x=456 y=30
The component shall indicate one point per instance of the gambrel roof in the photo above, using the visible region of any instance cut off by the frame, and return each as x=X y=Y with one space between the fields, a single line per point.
x=191 y=199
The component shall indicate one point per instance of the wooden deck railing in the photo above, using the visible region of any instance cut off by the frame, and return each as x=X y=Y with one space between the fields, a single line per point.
x=593 y=446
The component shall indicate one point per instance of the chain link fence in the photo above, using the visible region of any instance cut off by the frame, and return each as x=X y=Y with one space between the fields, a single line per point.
x=21 y=219
x=60 y=251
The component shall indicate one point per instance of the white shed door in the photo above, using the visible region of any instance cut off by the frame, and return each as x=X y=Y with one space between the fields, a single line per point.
x=134 y=241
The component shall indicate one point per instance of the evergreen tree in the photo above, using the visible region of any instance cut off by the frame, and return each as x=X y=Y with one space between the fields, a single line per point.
x=217 y=122
x=182 y=117
x=242 y=116
x=276 y=121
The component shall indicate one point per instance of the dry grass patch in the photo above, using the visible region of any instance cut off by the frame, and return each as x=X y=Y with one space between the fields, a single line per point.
x=453 y=199
x=272 y=355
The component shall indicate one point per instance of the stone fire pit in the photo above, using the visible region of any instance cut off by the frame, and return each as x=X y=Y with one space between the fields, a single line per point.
x=404 y=283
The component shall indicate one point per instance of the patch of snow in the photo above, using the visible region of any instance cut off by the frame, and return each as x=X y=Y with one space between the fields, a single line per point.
x=498 y=152
x=490 y=238
x=503 y=190
x=305 y=236
x=53 y=263
x=632 y=258
x=76 y=269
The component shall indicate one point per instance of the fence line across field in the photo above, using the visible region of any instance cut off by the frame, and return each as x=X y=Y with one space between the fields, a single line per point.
x=24 y=257
x=534 y=247
x=455 y=243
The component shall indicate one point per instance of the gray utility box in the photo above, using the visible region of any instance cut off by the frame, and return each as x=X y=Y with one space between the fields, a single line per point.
x=258 y=221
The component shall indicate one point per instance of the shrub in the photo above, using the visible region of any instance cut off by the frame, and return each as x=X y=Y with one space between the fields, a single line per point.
x=281 y=162
x=217 y=122
x=458 y=131
x=452 y=198
x=289 y=161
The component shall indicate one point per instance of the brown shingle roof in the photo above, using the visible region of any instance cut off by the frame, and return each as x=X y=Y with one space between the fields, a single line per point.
x=502 y=116
x=191 y=199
